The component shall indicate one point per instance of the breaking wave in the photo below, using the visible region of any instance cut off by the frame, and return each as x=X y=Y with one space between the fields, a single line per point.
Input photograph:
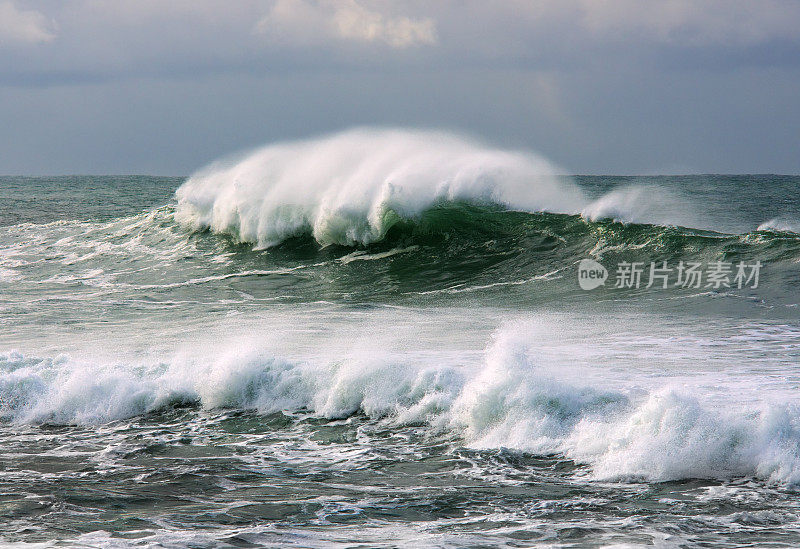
x=509 y=400
x=352 y=187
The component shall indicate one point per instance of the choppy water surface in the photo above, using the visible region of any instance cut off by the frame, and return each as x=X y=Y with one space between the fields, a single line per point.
x=378 y=339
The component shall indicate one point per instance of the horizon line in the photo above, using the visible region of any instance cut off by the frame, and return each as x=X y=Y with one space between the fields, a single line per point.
x=171 y=176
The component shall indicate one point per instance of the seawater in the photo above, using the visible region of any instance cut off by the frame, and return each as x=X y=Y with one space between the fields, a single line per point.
x=377 y=338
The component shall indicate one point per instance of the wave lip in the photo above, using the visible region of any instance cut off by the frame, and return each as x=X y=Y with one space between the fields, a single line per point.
x=350 y=188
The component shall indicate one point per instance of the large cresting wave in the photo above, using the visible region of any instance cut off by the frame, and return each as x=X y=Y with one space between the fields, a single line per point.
x=350 y=188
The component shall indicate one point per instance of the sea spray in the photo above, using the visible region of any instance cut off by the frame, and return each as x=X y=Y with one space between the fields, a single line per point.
x=780 y=225
x=645 y=203
x=511 y=400
x=350 y=188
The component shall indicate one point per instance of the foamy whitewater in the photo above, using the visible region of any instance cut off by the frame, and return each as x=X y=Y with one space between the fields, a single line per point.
x=377 y=338
x=350 y=188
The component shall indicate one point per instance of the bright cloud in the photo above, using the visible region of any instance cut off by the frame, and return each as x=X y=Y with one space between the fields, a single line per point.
x=19 y=26
x=307 y=22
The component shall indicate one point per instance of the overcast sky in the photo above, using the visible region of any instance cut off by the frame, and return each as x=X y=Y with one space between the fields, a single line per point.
x=597 y=86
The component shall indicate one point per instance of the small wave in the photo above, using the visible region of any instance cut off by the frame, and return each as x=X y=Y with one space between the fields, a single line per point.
x=780 y=225
x=364 y=256
x=643 y=203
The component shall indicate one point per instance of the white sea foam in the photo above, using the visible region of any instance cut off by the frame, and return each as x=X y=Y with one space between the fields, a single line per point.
x=8 y=275
x=642 y=203
x=511 y=399
x=351 y=187
x=780 y=225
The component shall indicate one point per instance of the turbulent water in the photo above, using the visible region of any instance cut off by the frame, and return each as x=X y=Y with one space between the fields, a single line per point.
x=379 y=339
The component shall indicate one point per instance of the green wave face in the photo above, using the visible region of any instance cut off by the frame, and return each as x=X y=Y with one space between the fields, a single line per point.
x=491 y=253
x=443 y=253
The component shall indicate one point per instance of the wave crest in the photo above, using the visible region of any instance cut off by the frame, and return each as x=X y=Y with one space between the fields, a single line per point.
x=350 y=188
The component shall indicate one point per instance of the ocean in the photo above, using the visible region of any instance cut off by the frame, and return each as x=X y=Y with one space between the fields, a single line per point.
x=389 y=338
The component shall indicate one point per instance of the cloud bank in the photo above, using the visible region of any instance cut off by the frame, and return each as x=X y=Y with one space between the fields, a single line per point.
x=598 y=85
x=150 y=36
x=22 y=27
